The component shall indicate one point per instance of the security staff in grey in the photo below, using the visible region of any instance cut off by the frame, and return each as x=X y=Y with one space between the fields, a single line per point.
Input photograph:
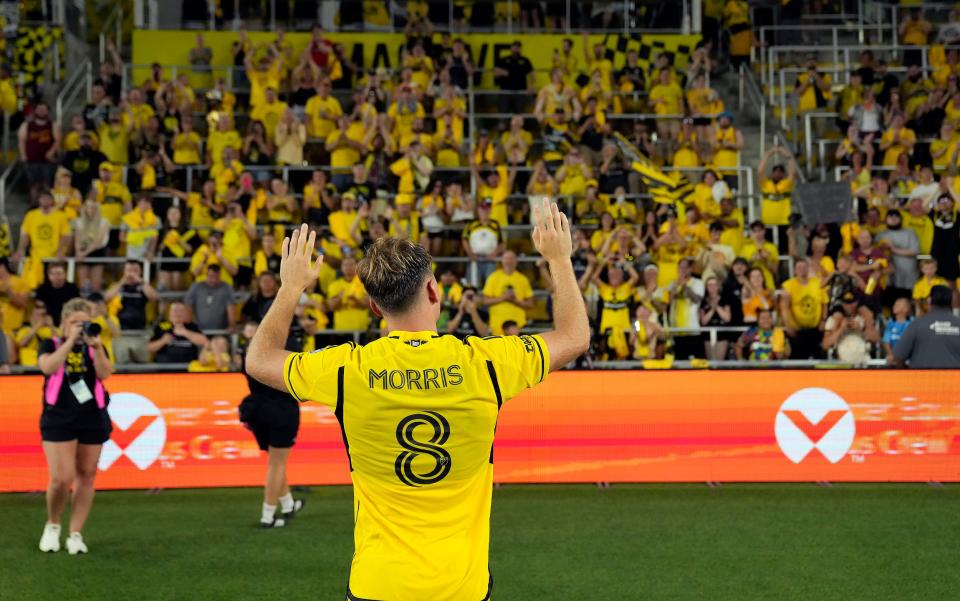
x=932 y=341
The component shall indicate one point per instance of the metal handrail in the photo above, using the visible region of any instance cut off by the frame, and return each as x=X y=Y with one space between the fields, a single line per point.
x=80 y=81
x=115 y=21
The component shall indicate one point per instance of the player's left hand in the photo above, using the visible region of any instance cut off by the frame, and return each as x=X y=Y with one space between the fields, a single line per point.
x=298 y=270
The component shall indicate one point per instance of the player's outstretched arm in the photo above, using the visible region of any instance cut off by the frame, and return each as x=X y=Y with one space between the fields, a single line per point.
x=266 y=355
x=570 y=337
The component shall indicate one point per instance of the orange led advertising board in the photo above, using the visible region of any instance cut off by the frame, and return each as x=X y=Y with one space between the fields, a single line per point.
x=632 y=426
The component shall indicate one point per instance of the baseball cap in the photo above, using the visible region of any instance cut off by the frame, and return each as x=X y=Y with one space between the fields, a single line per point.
x=348 y=195
x=848 y=297
x=726 y=114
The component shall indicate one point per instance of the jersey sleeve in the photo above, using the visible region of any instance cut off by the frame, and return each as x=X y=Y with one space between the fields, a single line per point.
x=313 y=376
x=518 y=362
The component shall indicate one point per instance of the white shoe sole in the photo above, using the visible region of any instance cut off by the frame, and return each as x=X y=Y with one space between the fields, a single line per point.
x=74 y=549
x=49 y=548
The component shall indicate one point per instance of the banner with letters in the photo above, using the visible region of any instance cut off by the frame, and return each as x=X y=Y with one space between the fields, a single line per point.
x=632 y=426
x=375 y=50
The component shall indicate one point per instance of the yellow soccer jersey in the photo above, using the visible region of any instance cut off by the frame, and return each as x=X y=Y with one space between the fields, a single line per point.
x=418 y=413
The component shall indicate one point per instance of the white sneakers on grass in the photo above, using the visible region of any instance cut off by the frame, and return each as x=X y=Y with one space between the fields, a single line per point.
x=50 y=540
x=75 y=544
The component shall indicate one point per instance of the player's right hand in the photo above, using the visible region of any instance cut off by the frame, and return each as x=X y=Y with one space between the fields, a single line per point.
x=551 y=232
x=298 y=270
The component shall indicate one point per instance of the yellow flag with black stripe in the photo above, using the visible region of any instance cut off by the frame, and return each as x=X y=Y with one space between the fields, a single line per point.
x=665 y=188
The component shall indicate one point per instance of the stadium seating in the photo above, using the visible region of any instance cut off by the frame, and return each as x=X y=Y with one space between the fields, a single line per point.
x=207 y=150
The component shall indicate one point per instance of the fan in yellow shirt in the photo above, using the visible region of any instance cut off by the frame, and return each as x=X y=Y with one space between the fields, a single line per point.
x=186 y=145
x=266 y=74
x=928 y=279
x=897 y=140
x=322 y=111
x=347 y=299
x=761 y=253
x=804 y=302
x=221 y=138
x=404 y=111
x=508 y=294
x=269 y=112
x=47 y=231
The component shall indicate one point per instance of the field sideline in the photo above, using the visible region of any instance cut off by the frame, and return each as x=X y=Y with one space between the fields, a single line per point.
x=550 y=543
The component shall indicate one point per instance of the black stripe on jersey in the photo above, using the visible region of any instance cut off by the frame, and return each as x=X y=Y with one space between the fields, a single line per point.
x=496 y=384
x=496 y=389
x=290 y=382
x=338 y=412
x=489 y=586
x=540 y=348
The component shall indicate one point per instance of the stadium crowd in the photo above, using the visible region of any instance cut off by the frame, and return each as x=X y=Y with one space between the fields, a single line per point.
x=190 y=187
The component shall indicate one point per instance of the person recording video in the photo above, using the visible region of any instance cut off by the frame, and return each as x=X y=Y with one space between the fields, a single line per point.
x=274 y=418
x=74 y=423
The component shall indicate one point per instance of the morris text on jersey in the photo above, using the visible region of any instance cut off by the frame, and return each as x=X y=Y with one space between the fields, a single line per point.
x=415 y=379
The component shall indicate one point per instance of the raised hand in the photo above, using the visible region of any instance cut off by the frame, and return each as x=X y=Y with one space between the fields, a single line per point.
x=298 y=270
x=551 y=232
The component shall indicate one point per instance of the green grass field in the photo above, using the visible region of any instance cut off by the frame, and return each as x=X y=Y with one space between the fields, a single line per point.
x=551 y=543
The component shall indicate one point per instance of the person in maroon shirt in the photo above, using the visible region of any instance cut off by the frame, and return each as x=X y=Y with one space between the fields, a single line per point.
x=321 y=50
x=39 y=140
x=871 y=264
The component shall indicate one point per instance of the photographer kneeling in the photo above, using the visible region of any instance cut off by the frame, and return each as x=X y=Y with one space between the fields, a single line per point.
x=74 y=423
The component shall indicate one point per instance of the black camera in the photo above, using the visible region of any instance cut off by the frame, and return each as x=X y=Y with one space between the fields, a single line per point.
x=91 y=329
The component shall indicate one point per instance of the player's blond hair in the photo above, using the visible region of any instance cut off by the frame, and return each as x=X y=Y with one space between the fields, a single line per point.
x=393 y=271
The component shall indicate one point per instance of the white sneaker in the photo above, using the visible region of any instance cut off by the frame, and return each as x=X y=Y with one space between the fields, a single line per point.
x=50 y=541
x=75 y=544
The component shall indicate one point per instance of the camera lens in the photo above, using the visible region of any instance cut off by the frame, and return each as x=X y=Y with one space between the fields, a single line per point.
x=91 y=329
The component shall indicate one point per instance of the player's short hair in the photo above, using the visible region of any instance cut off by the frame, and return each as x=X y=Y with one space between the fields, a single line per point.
x=392 y=272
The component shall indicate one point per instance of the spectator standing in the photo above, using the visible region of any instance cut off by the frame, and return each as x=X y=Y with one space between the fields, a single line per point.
x=39 y=141
x=128 y=299
x=139 y=229
x=468 y=320
x=508 y=294
x=347 y=298
x=894 y=328
x=176 y=339
x=84 y=163
x=259 y=302
x=715 y=312
x=56 y=291
x=211 y=301
x=904 y=247
x=803 y=303
x=685 y=295
x=91 y=235
x=290 y=138
x=200 y=58
x=928 y=279
x=482 y=241
x=47 y=232
x=932 y=341
x=514 y=74
x=946 y=238
x=776 y=190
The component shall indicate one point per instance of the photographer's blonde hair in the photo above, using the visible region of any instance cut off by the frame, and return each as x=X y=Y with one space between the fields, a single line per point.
x=74 y=305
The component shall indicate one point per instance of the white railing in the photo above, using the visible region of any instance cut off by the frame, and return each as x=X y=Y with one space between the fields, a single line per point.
x=80 y=81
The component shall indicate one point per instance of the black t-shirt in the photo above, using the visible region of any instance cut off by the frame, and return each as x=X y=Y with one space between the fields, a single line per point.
x=84 y=165
x=257 y=388
x=633 y=73
x=133 y=307
x=78 y=366
x=716 y=320
x=517 y=68
x=256 y=307
x=56 y=298
x=591 y=138
x=732 y=296
x=614 y=177
x=300 y=96
x=180 y=349
x=362 y=191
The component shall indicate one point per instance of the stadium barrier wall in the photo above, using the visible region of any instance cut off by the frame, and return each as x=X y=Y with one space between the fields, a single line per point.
x=775 y=426
x=374 y=50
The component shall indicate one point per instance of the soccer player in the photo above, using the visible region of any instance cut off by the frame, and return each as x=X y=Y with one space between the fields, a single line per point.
x=418 y=411
x=274 y=418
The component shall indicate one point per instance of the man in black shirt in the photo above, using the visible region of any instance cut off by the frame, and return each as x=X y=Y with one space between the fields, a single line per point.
x=514 y=74
x=134 y=295
x=932 y=341
x=274 y=418
x=56 y=291
x=83 y=163
x=176 y=339
x=468 y=321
